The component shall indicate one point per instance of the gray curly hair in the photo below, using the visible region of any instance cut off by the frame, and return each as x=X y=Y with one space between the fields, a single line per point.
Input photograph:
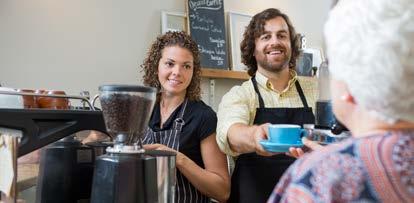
x=370 y=46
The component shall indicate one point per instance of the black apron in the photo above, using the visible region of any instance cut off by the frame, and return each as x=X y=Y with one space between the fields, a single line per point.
x=255 y=176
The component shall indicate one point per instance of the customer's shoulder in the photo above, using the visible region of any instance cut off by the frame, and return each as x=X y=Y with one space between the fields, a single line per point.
x=332 y=153
x=363 y=145
x=387 y=144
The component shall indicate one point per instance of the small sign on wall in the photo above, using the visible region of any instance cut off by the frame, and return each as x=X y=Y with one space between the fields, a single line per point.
x=237 y=24
x=207 y=28
x=173 y=21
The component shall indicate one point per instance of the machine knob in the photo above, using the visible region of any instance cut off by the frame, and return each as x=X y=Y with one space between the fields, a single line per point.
x=337 y=128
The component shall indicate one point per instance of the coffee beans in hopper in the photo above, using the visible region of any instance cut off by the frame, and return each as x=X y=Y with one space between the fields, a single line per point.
x=125 y=113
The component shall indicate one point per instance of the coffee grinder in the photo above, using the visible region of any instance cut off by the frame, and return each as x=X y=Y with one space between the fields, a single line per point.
x=128 y=173
x=327 y=128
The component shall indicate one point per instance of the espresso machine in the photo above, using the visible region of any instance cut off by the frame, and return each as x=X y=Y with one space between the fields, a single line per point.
x=128 y=173
x=72 y=172
x=327 y=128
x=66 y=166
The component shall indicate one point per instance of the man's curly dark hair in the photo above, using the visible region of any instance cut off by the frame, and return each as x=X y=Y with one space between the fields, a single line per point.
x=169 y=39
x=255 y=29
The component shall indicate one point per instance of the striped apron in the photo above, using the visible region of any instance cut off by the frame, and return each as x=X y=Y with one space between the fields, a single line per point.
x=186 y=192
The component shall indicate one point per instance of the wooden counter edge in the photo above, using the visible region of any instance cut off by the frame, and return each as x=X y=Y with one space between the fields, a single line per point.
x=224 y=74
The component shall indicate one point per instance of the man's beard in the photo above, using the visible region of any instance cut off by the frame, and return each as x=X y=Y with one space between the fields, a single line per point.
x=273 y=66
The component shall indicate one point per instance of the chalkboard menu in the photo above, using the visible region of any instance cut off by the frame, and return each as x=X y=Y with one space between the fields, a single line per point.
x=207 y=28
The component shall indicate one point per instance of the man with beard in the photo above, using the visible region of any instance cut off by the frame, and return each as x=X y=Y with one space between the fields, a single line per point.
x=275 y=94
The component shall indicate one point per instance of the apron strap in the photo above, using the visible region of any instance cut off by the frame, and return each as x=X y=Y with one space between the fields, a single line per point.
x=298 y=88
x=256 y=89
x=301 y=95
x=179 y=122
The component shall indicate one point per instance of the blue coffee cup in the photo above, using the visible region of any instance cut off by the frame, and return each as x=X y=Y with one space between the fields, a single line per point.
x=286 y=134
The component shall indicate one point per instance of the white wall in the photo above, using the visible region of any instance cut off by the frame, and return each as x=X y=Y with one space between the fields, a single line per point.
x=76 y=45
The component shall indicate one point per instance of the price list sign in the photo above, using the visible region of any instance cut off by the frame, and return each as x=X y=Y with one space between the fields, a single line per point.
x=207 y=28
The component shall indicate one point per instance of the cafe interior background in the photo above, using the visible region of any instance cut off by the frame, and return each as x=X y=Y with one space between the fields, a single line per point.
x=77 y=45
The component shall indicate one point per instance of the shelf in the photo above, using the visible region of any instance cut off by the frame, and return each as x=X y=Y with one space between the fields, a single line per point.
x=227 y=74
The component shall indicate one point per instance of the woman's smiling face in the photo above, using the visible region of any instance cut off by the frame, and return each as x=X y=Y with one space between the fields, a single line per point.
x=175 y=70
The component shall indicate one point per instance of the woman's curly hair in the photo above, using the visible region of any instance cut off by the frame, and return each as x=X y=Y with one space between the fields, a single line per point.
x=255 y=29
x=169 y=39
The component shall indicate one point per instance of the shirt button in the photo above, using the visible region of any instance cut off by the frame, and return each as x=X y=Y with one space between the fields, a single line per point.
x=268 y=85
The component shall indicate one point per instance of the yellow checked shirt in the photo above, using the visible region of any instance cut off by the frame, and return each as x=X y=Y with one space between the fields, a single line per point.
x=240 y=103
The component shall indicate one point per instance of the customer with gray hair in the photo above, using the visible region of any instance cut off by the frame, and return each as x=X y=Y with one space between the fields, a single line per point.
x=370 y=46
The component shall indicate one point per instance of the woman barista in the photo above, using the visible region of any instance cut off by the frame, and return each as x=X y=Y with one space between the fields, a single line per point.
x=176 y=124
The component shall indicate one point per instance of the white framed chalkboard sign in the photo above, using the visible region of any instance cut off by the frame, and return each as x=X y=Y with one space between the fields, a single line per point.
x=207 y=28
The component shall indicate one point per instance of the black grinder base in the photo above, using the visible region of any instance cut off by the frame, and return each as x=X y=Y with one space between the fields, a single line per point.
x=123 y=177
x=65 y=172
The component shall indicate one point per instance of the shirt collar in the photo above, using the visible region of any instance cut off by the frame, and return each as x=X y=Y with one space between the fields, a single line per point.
x=264 y=81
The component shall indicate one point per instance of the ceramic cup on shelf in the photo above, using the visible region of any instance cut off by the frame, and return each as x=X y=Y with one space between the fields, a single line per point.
x=49 y=102
x=37 y=97
x=28 y=101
